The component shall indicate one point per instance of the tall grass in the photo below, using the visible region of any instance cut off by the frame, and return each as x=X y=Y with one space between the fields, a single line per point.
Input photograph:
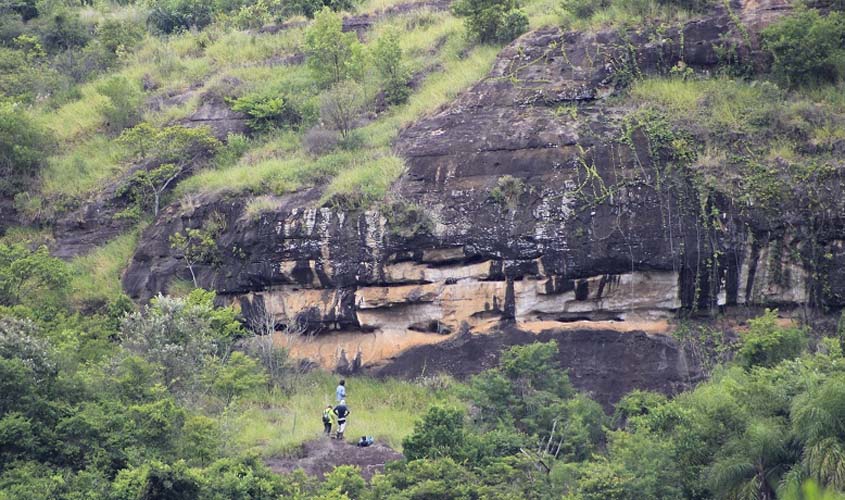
x=278 y=424
x=78 y=171
x=96 y=276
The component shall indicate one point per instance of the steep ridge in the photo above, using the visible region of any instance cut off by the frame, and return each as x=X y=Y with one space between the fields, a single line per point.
x=530 y=198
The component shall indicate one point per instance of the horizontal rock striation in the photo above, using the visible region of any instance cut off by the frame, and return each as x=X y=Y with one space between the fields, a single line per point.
x=529 y=198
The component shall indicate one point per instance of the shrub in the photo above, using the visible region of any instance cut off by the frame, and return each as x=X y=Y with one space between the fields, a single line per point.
x=333 y=56
x=169 y=16
x=440 y=433
x=767 y=344
x=122 y=109
x=583 y=9
x=23 y=147
x=119 y=35
x=387 y=55
x=62 y=30
x=341 y=105
x=319 y=141
x=240 y=375
x=492 y=21
x=808 y=49
x=309 y=8
x=267 y=111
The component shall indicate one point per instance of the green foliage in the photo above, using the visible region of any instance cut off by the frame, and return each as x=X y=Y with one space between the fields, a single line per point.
x=122 y=109
x=508 y=190
x=178 y=145
x=119 y=36
x=309 y=8
x=344 y=480
x=387 y=56
x=239 y=376
x=198 y=245
x=808 y=48
x=31 y=277
x=766 y=343
x=492 y=21
x=181 y=336
x=341 y=105
x=333 y=56
x=267 y=112
x=439 y=434
x=169 y=16
x=23 y=148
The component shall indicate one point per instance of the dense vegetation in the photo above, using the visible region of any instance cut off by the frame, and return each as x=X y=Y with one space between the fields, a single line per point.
x=101 y=400
x=172 y=402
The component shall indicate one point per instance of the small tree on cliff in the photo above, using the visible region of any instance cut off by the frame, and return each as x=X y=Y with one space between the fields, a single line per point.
x=199 y=245
x=171 y=151
x=333 y=56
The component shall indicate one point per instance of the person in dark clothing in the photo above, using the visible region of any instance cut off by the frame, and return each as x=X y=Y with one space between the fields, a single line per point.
x=341 y=411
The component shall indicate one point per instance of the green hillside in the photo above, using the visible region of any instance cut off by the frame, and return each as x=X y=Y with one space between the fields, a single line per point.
x=124 y=111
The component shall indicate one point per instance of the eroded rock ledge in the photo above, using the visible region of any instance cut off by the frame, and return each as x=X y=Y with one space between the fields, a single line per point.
x=519 y=203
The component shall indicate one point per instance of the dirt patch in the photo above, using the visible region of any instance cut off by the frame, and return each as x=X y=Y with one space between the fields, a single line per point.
x=321 y=456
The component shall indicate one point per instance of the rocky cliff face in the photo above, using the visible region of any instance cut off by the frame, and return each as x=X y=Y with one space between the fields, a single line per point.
x=528 y=199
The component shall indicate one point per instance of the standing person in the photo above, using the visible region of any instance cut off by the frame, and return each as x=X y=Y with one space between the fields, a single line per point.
x=328 y=417
x=340 y=392
x=342 y=412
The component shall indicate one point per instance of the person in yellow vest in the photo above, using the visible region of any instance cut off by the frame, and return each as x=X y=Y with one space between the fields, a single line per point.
x=328 y=420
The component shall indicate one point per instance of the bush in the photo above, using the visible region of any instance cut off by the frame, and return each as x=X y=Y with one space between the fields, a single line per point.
x=439 y=434
x=808 y=49
x=387 y=55
x=333 y=56
x=62 y=30
x=170 y=16
x=122 y=110
x=492 y=21
x=119 y=35
x=341 y=105
x=767 y=344
x=23 y=147
x=309 y=8
x=267 y=111
x=319 y=141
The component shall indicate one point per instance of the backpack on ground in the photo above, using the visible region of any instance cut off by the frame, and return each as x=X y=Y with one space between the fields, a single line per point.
x=365 y=441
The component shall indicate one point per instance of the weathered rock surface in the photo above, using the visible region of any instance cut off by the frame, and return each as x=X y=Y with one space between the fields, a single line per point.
x=605 y=364
x=520 y=202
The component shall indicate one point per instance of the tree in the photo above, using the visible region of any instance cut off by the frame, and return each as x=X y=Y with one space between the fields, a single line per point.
x=752 y=465
x=492 y=21
x=29 y=277
x=23 y=147
x=239 y=375
x=197 y=245
x=175 y=144
x=440 y=433
x=818 y=418
x=387 y=55
x=333 y=56
x=181 y=335
x=170 y=151
x=146 y=186
x=341 y=105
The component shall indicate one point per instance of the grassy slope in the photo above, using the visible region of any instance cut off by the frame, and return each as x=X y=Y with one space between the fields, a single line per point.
x=278 y=424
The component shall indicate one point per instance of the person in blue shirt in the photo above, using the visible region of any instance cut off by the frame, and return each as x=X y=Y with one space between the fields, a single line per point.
x=340 y=392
